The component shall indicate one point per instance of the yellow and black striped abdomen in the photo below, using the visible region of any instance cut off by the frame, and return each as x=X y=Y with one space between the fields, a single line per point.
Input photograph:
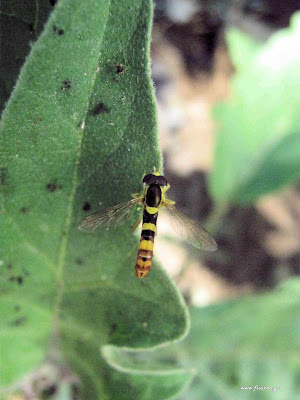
x=145 y=253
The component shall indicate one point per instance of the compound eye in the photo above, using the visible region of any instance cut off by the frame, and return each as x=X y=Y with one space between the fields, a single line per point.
x=161 y=180
x=148 y=179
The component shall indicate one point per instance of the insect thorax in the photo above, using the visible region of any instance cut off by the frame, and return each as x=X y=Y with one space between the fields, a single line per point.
x=153 y=196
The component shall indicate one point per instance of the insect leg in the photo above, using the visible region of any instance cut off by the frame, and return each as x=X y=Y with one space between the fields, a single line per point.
x=157 y=172
x=137 y=223
x=167 y=187
x=138 y=197
x=168 y=202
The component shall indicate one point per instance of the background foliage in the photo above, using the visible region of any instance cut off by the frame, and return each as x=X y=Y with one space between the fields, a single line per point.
x=258 y=144
x=245 y=343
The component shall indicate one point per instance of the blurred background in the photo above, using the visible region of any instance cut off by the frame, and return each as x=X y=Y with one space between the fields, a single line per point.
x=227 y=76
x=206 y=53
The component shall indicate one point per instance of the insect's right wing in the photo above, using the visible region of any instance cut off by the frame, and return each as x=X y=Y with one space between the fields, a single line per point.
x=109 y=218
x=190 y=230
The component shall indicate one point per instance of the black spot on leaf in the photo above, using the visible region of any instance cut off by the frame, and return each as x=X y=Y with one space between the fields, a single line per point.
x=86 y=206
x=59 y=31
x=19 y=280
x=79 y=261
x=113 y=328
x=17 y=308
x=24 y=210
x=53 y=186
x=120 y=69
x=18 y=321
x=3 y=176
x=9 y=266
x=100 y=109
x=66 y=85
x=52 y=2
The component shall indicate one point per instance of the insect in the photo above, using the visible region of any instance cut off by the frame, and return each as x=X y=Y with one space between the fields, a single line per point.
x=153 y=198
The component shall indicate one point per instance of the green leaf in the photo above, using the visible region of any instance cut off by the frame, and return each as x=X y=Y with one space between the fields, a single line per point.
x=246 y=342
x=280 y=163
x=242 y=47
x=142 y=368
x=258 y=144
x=77 y=135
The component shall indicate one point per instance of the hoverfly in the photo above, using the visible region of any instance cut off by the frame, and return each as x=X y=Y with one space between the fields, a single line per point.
x=152 y=199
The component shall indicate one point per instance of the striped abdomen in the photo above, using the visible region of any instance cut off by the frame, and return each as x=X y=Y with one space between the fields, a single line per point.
x=145 y=253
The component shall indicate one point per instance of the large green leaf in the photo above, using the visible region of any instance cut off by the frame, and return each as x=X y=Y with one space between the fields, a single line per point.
x=243 y=343
x=258 y=144
x=140 y=367
x=242 y=47
x=77 y=135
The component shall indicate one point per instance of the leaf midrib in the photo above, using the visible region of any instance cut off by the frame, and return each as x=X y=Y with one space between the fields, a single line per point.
x=61 y=254
x=74 y=185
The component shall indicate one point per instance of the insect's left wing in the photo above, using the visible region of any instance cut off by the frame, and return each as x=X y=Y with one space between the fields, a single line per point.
x=109 y=218
x=190 y=230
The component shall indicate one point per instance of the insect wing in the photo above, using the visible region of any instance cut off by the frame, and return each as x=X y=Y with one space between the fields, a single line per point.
x=189 y=229
x=109 y=218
